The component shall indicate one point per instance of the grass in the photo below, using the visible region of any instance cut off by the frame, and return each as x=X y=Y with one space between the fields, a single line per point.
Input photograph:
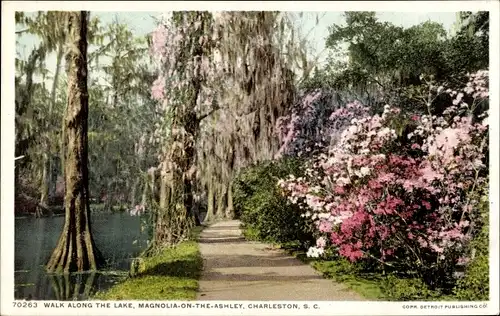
x=250 y=233
x=171 y=275
x=367 y=285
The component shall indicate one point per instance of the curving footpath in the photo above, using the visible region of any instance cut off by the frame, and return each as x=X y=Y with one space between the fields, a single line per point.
x=236 y=269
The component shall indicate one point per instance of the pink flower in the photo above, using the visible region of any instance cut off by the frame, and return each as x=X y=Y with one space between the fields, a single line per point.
x=463 y=260
x=339 y=190
x=350 y=252
x=388 y=252
x=158 y=89
x=325 y=227
x=426 y=204
x=429 y=174
x=159 y=39
x=423 y=243
x=321 y=242
x=436 y=248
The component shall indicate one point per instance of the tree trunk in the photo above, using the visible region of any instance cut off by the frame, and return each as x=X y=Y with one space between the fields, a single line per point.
x=62 y=148
x=221 y=201
x=171 y=224
x=210 y=203
x=229 y=208
x=44 y=187
x=107 y=202
x=133 y=193
x=174 y=229
x=144 y=199
x=60 y=54
x=164 y=191
x=153 y=186
x=189 y=201
x=192 y=126
x=54 y=173
x=76 y=250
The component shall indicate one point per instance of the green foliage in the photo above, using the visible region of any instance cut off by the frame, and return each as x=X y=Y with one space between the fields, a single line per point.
x=339 y=267
x=475 y=284
x=407 y=289
x=468 y=50
x=264 y=211
x=251 y=233
x=383 y=56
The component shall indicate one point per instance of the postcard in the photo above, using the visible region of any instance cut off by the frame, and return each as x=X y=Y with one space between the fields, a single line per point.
x=250 y=158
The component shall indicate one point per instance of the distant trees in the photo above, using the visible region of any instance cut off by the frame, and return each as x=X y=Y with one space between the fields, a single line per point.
x=381 y=56
x=119 y=117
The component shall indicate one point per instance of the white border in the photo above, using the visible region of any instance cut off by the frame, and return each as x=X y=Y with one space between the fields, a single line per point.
x=326 y=308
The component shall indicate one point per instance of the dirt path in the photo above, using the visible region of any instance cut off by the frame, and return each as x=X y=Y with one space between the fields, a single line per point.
x=235 y=269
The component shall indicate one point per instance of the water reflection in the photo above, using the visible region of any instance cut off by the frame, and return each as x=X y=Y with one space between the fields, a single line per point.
x=64 y=287
x=120 y=237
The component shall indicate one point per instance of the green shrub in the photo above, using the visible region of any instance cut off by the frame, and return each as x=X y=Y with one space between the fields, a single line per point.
x=265 y=213
x=251 y=233
x=338 y=269
x=474 y=286
x=407 y=289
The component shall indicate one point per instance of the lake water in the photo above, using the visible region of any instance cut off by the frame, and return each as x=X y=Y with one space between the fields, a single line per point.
x=119 y=236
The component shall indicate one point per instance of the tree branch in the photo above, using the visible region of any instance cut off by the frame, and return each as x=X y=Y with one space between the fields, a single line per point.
x=22 y=31
x=99 y=51
x=215 y=108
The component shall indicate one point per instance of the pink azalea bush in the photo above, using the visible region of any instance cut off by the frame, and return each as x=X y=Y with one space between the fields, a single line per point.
x=400 y=198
